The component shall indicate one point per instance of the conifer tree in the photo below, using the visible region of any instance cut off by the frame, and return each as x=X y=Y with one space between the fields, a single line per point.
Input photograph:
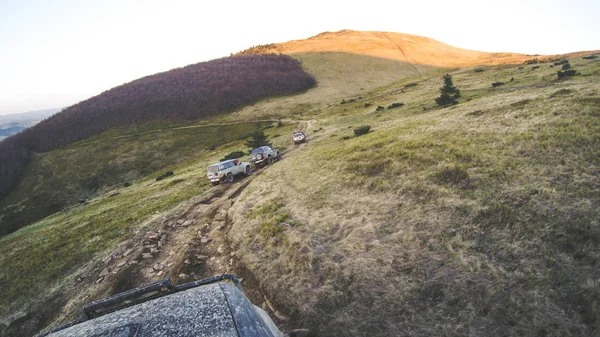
x=448 y=93
x=257 y=139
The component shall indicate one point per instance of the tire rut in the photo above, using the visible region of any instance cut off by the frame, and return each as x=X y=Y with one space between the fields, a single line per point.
x=406 y=57
x=184 y=245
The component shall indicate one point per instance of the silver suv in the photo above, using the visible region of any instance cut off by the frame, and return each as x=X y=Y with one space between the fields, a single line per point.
x=226 y=170
x=299 y=137
x=264 y=155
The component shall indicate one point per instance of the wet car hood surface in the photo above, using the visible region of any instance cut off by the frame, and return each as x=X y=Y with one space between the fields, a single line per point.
x=201 y=311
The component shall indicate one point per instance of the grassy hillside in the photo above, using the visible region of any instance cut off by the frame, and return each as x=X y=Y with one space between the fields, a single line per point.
x=476 y=219
x=45 y=256
x=190 y=93
x=48 y=256
x=80 y=171
x=73 y=173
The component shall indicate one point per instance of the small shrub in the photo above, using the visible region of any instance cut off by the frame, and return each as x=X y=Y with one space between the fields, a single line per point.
x=368 y=105
x=352 y=100
x=497 y=84
x=380 y=108
x=532 y=61
x=521 y=68
x=534 y=67
x=561 y=62
x=126 y=184
x=343 y=101
x=395 y=105
x=410 y=85
x=512 y=79
x=479 y=70
x=233 y=155
x=362 y=130
x=590 y=57
x=279 y=123
x=346 y=137
x=566 y=73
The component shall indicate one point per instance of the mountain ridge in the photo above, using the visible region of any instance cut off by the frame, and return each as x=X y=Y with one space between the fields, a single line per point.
x=398 y=46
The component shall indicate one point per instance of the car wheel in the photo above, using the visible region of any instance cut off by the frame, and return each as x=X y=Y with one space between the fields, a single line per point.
x=229 y=177
x=214 y=183
x=270 y=160
x=248 y=171
x=278 y=156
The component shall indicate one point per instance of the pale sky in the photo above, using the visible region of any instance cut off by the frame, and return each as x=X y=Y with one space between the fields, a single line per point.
x=56 y=53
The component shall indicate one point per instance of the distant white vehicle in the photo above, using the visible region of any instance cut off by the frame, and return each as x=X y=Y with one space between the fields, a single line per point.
x=299 y=137
x=264 y=155
x=225 y=171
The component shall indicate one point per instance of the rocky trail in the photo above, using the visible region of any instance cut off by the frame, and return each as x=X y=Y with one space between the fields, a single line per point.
x=189 y=246
x=185 y=245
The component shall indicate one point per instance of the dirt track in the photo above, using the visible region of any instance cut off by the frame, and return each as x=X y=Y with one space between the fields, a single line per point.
x=189 y=244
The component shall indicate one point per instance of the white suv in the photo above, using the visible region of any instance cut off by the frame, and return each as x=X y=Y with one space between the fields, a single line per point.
x=264 y=155
x=226 y=170
x=299 y=137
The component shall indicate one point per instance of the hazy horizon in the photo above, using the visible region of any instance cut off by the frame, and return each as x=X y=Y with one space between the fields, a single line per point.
x=33 y=111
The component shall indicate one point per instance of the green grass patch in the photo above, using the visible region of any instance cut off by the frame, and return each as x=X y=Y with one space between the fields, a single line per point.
x=273 y=218
x=83 y=170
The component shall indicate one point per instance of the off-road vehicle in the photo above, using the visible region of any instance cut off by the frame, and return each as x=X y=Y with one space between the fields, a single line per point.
x=299 y=137
x=264 y=155
x=226 y=170
x=208 y=307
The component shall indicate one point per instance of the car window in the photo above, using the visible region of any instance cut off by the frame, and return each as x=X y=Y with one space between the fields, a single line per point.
x=257 y=150
x=213 y=168
x=222 y=167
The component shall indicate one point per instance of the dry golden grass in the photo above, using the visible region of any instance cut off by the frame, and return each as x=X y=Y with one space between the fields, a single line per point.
x=478 y=219
x=413 y=49
x=339 y=75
